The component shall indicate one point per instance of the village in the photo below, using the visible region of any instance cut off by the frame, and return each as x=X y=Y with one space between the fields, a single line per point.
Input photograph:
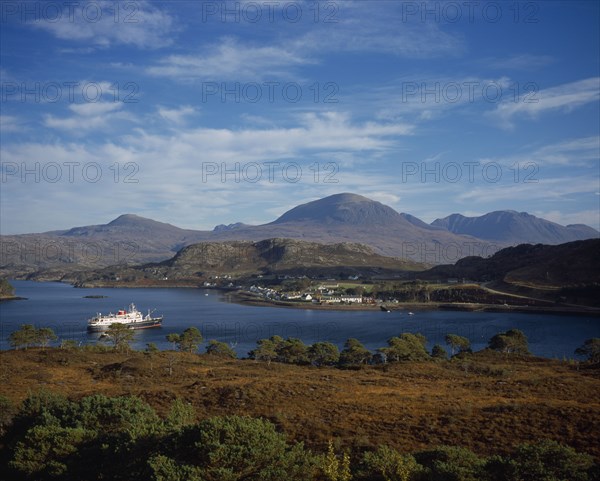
x=301 y=289
x=358 y=292
x=322 y=294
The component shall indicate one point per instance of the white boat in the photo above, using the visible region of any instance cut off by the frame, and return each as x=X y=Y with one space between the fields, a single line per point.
x=411 y=313
x=132 y=318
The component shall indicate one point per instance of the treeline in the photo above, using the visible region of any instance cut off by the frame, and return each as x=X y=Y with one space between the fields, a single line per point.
x=50 y=437
x=405 y=347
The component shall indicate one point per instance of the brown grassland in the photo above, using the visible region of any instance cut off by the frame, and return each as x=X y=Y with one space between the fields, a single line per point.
x=488 y=402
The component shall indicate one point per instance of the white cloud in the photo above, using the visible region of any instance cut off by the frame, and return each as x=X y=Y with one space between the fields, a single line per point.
x=584 y=151
x=176 y=116
x=383 y=197
x=89 y=116
x=566 y=97
x=549 y=189
x=519 y=62
x=170 y=168
x=106 y=23
x=230 y=60
x=380 y=27
x=95 y=109
x=11 y=123
x=569 y=152
x=428 y=97
x=361 y=27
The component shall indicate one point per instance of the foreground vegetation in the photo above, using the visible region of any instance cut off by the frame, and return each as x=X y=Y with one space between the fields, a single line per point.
x=123 y=438
x=488 y=402
x=297 y=412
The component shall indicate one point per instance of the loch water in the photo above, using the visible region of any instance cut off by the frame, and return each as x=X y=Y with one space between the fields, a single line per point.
x=65 y=309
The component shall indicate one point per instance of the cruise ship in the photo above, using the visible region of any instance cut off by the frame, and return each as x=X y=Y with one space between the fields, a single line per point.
x=132 y=318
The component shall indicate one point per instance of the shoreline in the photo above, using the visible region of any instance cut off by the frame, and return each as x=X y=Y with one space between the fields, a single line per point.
x=12 y=298
x=248 y=299
x=244 y=298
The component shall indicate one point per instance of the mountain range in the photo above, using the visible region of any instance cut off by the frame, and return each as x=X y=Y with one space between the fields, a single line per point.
x=339 y=218
x=510 y=227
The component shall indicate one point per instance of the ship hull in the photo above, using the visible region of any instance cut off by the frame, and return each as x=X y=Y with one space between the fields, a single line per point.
x=146 y=324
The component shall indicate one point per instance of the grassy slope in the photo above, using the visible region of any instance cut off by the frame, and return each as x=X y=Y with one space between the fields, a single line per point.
x=488 y=403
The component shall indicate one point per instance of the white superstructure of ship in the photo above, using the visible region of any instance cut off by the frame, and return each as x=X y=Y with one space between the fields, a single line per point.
x=132 y=318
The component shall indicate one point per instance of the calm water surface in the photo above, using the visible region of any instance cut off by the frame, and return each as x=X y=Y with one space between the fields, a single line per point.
x=65 y=310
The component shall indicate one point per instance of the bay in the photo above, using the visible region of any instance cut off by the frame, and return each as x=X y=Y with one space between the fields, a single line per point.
x=65 y=309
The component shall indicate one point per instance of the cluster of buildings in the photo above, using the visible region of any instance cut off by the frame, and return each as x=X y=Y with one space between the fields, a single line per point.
x=324 y=294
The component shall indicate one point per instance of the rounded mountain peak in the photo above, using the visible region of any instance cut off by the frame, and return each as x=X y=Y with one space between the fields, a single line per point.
x=128 y=219
x=132 y=221
x=345 y=208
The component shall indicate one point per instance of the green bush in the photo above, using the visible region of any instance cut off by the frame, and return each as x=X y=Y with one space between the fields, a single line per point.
x=438 y=352
x=458 y=343
x=389 y=465
x=187 y=341
x=544 y=461
x=406 y=347
x=512 y=341
x=216 y=348
x=590 y=349
x=122 y=439
x=7 y=412
x=354 y=354
x=48 y=450
x=323 y=354
x=450 y=463
x=236 y=448
x=28 y=336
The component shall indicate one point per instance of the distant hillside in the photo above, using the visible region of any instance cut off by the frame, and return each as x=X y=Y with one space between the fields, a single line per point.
x=223 y=227
x=127 y=223
x=130 y=239
x=510 y=227
x=543 y=265
x=271 y=256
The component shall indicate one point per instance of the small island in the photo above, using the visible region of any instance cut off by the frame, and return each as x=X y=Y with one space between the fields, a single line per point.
x=7 y=291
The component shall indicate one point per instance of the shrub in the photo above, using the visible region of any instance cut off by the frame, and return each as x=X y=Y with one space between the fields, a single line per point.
x=390 y=465
x=458 y=343
x=333 y=467
x=236 y=448
x=449 y=463
x=7 y=412
x=180 y=414
x=438 y=352
x=48 y=450
x=544 y=461
x=265 y=351
x=406 y=347
x=323 y=354
x=187 y=341
x=512 y=341
x=216 y=348
x=354 y=354
x=590 y=349
x=28 y=336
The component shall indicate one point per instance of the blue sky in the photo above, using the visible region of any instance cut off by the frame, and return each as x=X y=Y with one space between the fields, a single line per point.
x=201 y=113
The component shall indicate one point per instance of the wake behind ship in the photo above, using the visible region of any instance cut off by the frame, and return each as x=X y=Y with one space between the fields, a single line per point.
x=132 y=318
